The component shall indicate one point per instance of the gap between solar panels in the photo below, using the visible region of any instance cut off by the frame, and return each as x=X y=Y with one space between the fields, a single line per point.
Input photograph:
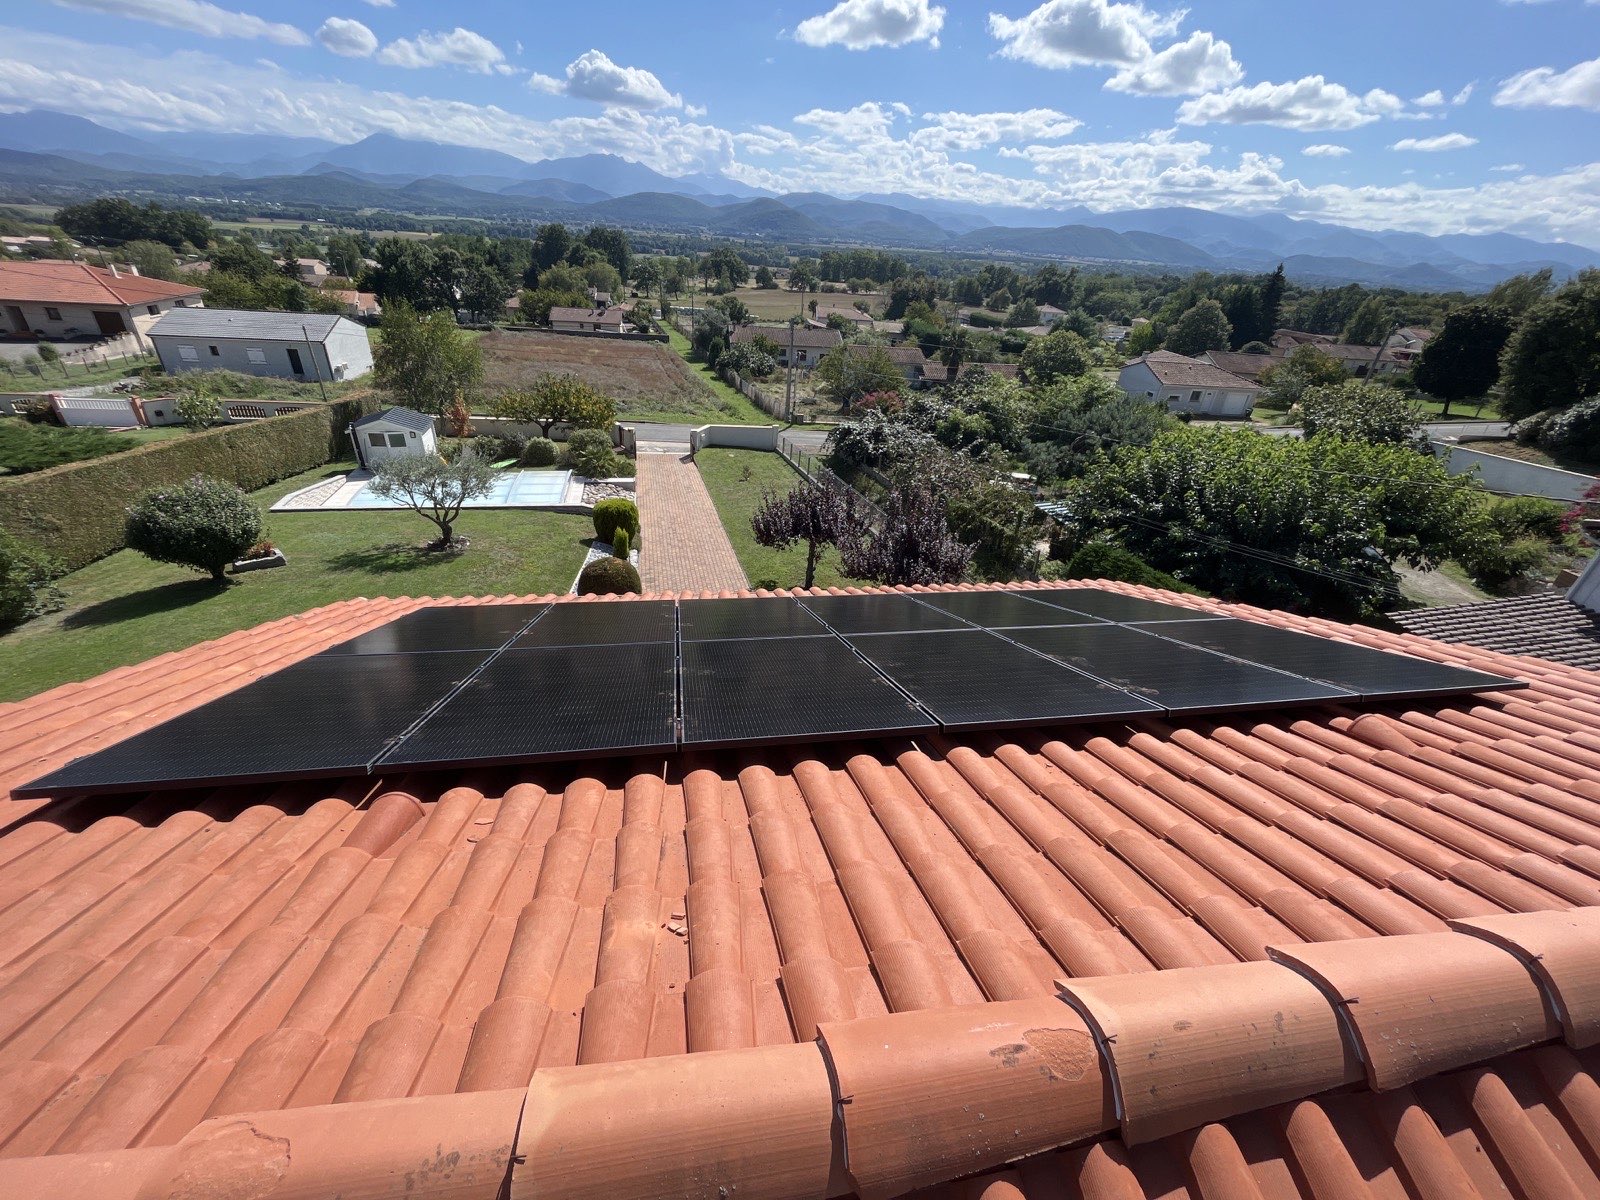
x=447 y=686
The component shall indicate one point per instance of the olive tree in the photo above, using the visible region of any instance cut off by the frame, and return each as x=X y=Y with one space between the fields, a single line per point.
x=433 y=488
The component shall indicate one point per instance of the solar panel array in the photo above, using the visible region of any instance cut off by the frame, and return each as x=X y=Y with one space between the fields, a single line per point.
x=495 y=684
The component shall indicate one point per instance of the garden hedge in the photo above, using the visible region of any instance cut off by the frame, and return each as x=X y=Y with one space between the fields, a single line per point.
x=77 y=512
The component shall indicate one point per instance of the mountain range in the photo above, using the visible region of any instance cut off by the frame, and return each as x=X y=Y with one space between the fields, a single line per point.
x=53 y=155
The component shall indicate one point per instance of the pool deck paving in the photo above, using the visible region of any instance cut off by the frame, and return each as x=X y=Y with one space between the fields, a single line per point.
x=683 y=547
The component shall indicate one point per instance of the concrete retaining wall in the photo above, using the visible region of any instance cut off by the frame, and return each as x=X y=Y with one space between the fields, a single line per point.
x=737 y=437
x=1512 y=476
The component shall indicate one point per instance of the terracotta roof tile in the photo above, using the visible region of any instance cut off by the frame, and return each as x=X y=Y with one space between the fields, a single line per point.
x=55 y=281
x=408 y=953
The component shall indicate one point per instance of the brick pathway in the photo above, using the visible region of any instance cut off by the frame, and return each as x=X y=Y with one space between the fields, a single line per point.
x=683 y=547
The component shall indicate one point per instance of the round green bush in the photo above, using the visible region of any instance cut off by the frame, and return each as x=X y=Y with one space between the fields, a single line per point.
x=590 y=452
x=614 y=514
x=619 y=544
x=512 y=445
x=540 y=452
x=201 y=523
x=609 y=577
x=1575 y=431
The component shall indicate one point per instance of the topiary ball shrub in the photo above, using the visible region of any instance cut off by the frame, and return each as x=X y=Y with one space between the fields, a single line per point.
x=590 y=452
x=540 y=452
x=609 y=577
x=512 y=445
x=614 y=514
x=619 y=544
x=201 y=523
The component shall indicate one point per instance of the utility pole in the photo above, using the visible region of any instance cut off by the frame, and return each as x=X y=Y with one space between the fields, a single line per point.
x=788 y=378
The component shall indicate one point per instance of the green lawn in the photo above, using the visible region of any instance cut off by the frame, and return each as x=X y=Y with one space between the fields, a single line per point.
x=43 y=376
x=736 y=480
x=740 y=411
x=125 y=608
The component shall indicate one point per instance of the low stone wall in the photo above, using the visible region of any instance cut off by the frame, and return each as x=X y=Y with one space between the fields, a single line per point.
x=736 y=437
x=1512 y=476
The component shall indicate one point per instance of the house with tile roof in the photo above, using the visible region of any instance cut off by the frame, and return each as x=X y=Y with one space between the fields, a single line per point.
x=913 y=363
x=810 y=342
x=1315 y=953
x=1245 y=366
x=595 y=319
x=55 y=298
x=1190 y=385
x=1289 y=339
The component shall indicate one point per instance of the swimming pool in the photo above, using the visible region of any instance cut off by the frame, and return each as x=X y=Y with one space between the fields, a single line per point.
x=512 y=489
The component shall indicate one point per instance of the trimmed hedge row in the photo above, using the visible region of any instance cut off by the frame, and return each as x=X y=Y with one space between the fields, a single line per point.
x=77 y=512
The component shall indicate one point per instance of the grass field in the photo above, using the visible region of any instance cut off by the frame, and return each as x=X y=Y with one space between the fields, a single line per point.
x=737 y=480
x=125 y=608
x=649 y=381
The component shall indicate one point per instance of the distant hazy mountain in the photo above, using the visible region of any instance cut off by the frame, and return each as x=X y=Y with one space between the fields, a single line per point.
x=50 y=155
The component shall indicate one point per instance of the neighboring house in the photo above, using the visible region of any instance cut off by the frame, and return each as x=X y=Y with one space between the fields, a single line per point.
x=356 y=304
x=850 y=313
x=313 y=272
x=1288 y=339
x=599 y=299
x=810 y=344
x=935 y=371
x=913 y=363
x=892 y=331
x=1245 y=366
x=1116 y=334
x=1049 y=314
x=1189 y=385
x=310 y=346
x=1362 y=361
x=587 y=320
x=1406 y=345
x=393 y=433
x=54 y=298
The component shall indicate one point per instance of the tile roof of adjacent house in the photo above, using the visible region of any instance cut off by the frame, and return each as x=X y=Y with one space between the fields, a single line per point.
x=56 y=281
x=901 y=356
x=1544 y=626
x=806 y=337
x=1324 y=952
x=1177 y=370
x=1300 y=337
x=240 y=323
x=594 y=316
x=935 y=371
x=1245 y=366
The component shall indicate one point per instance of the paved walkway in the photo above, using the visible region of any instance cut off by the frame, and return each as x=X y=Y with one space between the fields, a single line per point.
x=683 y=547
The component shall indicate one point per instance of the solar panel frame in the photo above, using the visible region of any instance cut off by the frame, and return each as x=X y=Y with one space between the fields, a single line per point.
x=848 y=615
x=1359 y=669
x=444 y=628
x=317 y=718
x=724 y=687
x=1005 y=610
x=1020 y=688
x=527 y=705
x=1180 y=678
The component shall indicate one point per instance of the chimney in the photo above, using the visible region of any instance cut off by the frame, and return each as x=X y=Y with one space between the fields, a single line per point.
x=112 y=267
x=133 y=268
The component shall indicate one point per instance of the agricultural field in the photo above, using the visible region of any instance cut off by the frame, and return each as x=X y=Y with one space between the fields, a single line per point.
x=648 y=380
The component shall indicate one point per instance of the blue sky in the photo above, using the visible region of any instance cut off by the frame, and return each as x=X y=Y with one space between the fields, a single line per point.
x=1459 y=116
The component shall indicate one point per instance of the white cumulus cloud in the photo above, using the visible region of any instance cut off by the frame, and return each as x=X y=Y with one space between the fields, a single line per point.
x=1326 y=150
x=1545 y=87
x=457 y=48
x=1311 y=103
x=195 y=16
x=1066 y=33
x=593 y=76
x=350 y=39
x=1432 y=145
x=970 y=131
x=1200 y=63
x=863 y=24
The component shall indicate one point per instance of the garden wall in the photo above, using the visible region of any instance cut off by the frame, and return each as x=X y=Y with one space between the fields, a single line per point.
x=740 y=437
x=76 y=511
x=1513 y=476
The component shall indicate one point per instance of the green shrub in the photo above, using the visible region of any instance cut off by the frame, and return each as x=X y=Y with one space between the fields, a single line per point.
x=1100 y=561
x=48 y=353
x=1526 y=516
x=1499 y=564
x=590 y=453
x=614 y=514
x=201 y=523
x=26 y=448
x=1575 y=431
x=25 y=582
x=619 y=544
x=488 y=447
x=1530 y=430
x=76 y=511
x=512 y=445
x=609 y=577
x=540 y=452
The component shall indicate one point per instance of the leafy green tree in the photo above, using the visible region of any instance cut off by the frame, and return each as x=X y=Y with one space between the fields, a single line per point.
x=647 y=275
x=345 y=254
x=1462 y=361
x=1142 y=339
x=1312 y=525
x=1285 y=384
x=815 y=514
x=484 y=291
x=1202 y=327
x=433 y=488
x=847 y=373
x=1083 y=417
x=613 y=245
x=1241 y=304
x=1272 y=290
x=1521 y=292
x=425 y=361
x=1363 y=412
x=242 y=257
x=803 y=276
x=735 y=309
x=551 y=245
x=765 y=279
x=556 y=399
x=1050 y=285
x=603 y=277
x=202 y=523
x=26 y=582
x=1060 y=354
x=198 y=404
x=154 y=259
x=1022 y=314
x=111 y=220
x=1553 y=358
x=1370 y=324
x=724 y=264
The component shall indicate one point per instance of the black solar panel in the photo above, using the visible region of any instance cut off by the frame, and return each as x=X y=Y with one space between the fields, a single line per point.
x=603 y=623
x=1113 y=606
x=531 y=704
x=1004 y=610
x=322 y=716
x=879 y=614
x=1170 y=674
x=970 y=678
x=444 y=627
x=717 y=620
x=793 y=689
x=1370 y=673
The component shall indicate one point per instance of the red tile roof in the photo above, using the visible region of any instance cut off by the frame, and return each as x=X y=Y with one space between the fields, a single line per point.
x=867 y=968
x=55 y=281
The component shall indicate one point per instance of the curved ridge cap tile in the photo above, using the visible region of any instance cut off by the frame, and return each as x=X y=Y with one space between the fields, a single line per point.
x=715 y=1124
x=1562 y=951
x=1195 y=1045
x=929 y=1096
x=1420 y=1004
x=104 y=1175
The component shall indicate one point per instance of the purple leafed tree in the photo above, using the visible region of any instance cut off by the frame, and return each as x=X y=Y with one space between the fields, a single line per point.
x=915 y=544
x=812 y=513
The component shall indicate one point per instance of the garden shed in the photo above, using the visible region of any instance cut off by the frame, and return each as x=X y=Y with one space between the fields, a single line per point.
x=392 y=433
